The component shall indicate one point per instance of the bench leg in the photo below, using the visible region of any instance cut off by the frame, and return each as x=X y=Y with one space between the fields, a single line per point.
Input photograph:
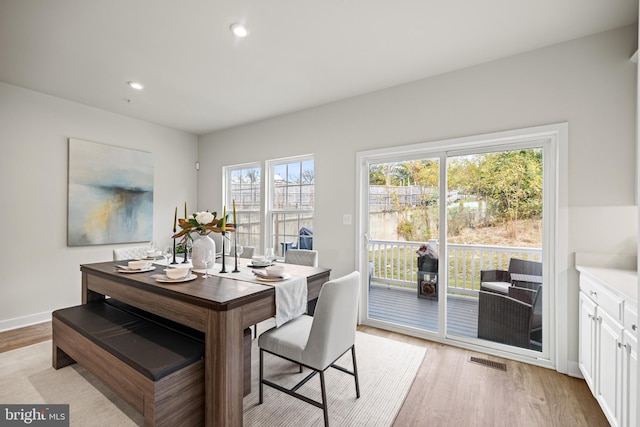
x=60 y=359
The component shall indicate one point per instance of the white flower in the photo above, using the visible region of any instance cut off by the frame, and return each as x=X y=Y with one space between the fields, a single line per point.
x=204 y=217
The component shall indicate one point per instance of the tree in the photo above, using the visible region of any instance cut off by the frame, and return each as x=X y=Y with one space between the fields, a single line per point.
x=512 y=182
x=508 y=182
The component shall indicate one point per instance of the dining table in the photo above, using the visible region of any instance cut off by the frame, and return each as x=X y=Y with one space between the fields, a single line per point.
x=222 y=306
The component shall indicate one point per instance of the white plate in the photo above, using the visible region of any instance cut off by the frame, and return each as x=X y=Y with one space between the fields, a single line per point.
x=273 y=279
x=125 y=269
x=164 y=279
x=252 y=265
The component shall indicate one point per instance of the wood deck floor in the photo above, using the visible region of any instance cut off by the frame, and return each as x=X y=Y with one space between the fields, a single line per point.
x=403 y=307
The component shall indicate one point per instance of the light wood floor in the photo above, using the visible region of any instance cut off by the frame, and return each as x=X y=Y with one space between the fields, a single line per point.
x=451 y=391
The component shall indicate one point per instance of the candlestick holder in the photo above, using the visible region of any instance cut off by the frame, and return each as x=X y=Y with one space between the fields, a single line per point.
x=186 y=251
x=235 y=252
x=224 y=266
x=174 y=248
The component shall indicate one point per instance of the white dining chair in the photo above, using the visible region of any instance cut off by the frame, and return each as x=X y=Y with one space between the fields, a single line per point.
x=301 y=257
x=217 y=238
x=317 y=342
x=134 y=252
x=247 y=252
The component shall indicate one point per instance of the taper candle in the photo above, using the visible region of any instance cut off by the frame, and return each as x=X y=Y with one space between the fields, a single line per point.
x=175 y=218
x=224 y=219
x=185 y=211
x=235 y=222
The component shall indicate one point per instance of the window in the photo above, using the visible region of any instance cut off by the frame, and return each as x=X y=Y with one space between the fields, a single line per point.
x=291 y=203
x=288 y=209
x=243 y=187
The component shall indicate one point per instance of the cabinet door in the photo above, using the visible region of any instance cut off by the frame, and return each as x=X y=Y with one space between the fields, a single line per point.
x=586 y=339
x=629 y=379
x=609 y=366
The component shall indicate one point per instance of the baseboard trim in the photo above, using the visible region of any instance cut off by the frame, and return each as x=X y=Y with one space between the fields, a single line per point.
x=21 y=322
x=574 y=369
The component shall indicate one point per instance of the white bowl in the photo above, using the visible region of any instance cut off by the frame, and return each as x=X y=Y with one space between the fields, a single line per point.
x=140 y=264
x=259 y=260
x=274 y=270
x=178 y=272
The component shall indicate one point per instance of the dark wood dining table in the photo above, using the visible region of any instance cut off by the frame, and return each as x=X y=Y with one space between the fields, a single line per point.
x=220 y=307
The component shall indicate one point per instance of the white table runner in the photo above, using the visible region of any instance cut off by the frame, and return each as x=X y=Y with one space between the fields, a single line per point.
x=291 y=293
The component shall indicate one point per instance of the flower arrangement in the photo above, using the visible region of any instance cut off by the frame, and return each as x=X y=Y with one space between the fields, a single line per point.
x=203 y=223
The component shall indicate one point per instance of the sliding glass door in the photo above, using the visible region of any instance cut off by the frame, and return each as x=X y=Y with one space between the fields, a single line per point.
x=456 y=243
x=403 y=223
x=495 y=245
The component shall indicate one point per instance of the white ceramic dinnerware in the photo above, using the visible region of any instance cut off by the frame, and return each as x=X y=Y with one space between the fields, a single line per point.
x=275 y=270
x=140 y=264
x=260 y=261
x=177 y=272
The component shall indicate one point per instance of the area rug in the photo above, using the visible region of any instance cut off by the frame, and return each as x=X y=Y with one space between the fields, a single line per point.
x=386 y=369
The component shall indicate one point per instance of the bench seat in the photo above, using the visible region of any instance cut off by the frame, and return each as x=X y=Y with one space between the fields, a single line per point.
x=156 y=369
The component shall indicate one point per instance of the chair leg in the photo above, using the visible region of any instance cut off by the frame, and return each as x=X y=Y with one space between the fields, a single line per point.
x=261 y=375
x=355 y=370
x=324 y=400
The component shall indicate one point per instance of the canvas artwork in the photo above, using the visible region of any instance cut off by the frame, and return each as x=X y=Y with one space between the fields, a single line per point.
x=110 y=194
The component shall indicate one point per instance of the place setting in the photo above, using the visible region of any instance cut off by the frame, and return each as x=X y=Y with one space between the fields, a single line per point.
x=179 y=274
x=136 y=266
x=262 y=261
x=272 y=273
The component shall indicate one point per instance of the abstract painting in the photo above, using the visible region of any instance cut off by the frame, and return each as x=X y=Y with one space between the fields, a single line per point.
x=110 y=194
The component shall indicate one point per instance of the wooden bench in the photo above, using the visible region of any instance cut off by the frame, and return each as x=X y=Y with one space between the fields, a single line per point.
x=157 y=369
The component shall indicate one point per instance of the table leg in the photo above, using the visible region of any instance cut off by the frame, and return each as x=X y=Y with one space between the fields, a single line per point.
x=224 y=368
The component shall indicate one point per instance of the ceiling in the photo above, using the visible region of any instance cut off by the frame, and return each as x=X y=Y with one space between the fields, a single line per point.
x=200 y=78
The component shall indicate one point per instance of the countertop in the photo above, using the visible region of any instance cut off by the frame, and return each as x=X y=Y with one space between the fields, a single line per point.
x=621 y=281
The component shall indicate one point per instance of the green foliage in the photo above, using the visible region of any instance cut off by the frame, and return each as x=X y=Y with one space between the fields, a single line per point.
x=406 y=229
x=512 y=182
x=509 y=183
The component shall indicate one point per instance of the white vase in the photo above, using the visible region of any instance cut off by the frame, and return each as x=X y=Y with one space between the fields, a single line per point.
x=201 y=244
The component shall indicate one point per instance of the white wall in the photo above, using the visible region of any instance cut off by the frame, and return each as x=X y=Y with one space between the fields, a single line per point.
x=40 y=273
x=589 y=83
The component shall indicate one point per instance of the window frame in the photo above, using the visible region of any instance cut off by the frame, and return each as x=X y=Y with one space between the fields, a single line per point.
x=270 y=236
x=245 y=237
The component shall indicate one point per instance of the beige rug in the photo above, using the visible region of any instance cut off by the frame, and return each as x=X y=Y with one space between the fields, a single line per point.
x=386 y=369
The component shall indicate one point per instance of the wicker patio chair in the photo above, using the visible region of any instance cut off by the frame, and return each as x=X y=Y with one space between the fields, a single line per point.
x=509 y=319
x=501 y=280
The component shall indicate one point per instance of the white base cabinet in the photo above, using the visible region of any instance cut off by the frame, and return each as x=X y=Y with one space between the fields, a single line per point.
x=629 y=375
x=608 y=355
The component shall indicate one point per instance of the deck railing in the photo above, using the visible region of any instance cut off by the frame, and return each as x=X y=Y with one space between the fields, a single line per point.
x=394 y=263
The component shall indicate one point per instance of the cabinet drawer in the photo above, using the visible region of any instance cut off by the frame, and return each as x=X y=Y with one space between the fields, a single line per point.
x=630 y=317
x=607 y=301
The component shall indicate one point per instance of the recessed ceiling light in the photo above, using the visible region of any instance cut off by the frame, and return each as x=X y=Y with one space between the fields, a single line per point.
x=239 y=30
x=136 y=85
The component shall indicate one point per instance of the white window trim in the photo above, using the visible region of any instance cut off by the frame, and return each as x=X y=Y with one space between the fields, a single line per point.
x=268 y=204
x=226 y=191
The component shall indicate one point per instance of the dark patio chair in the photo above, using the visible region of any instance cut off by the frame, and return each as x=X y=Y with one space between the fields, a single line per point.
x=521 y=272
x=513 y=319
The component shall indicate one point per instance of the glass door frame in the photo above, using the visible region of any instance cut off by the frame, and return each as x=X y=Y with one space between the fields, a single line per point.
x=553 y=140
